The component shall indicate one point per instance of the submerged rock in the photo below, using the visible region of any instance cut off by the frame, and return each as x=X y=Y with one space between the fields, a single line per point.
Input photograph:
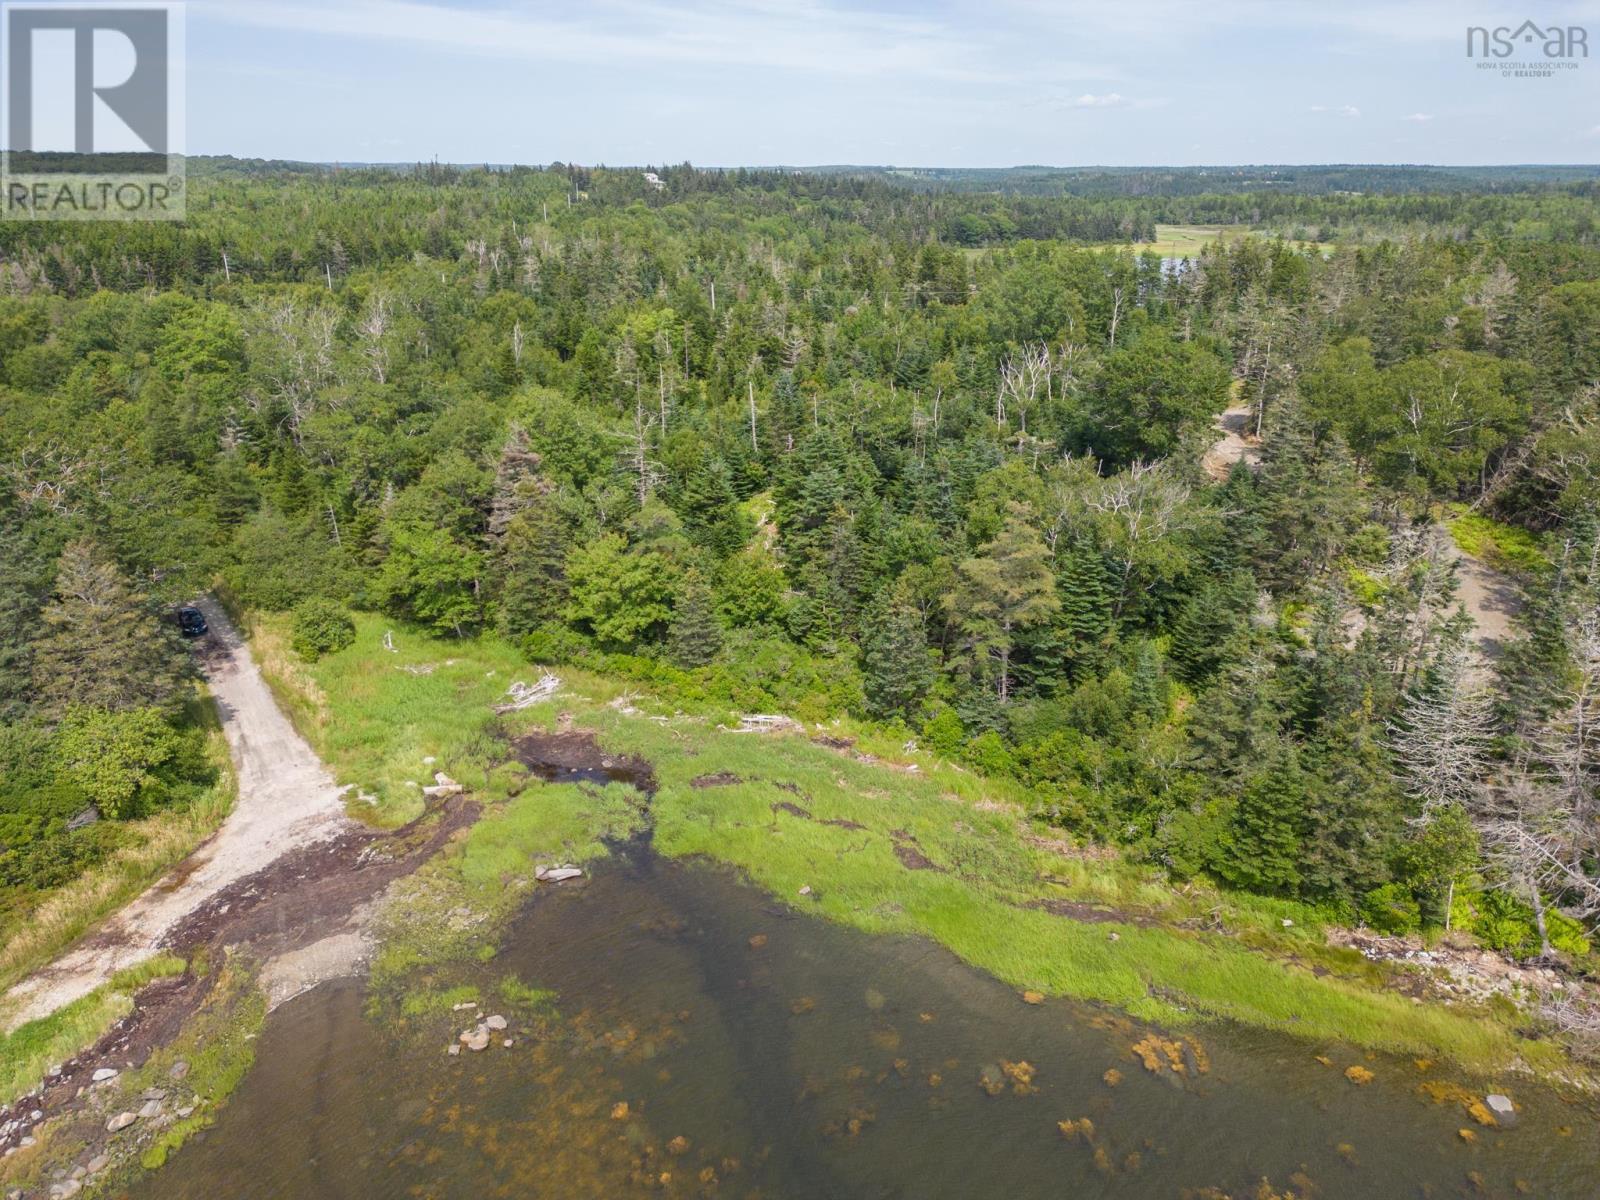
x=495 y=1022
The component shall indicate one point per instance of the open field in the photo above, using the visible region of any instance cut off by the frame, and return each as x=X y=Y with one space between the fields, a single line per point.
x=1187 y=241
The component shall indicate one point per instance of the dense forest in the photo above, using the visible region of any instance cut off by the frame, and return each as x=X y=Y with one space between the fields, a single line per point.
x=820 y=444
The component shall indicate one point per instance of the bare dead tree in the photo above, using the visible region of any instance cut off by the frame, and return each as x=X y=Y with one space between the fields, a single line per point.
x=646 y=472
x=296 y=359
x=1538 y=823
x=1023 y=375
x=374 y=324
x=1442 y=738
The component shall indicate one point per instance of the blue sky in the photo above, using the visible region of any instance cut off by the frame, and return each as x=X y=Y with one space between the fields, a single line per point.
x=806 y=82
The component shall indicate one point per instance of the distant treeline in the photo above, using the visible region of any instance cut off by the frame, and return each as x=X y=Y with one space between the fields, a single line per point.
x=329 y=219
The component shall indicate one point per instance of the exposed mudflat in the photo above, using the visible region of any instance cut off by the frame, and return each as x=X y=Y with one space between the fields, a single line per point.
x=301 y=917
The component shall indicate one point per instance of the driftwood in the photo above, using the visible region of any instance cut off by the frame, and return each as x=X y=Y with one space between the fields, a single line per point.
x=767 y=723
x=443 y=785
x=521 y=695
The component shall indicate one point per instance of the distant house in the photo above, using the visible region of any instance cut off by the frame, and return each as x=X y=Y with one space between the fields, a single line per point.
x=655 y=181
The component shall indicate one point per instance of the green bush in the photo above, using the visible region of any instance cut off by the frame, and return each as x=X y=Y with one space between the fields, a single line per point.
x=1392 y=909
x=943 y=733
x=121 y=760
x=989 y=754
x=553 y=644
x=1506 y=924
x=320 y=627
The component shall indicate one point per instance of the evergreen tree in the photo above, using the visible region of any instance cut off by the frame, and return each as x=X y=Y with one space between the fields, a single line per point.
x=710 y=509
x=1263 y=846
x=894 y=660
x=26 y=558
x=695 y=635
x=1086 y=602
x=1147 y=683
x=517 y=483
x=1205 y=625
x=531 y=561
x=1005 y=587
x=1311 y=500
x=102 y=646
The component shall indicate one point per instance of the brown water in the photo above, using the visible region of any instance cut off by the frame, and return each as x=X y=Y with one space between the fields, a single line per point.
x=802 y=1060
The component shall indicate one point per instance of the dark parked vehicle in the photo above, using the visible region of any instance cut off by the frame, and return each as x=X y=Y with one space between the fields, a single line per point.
x=191 y=622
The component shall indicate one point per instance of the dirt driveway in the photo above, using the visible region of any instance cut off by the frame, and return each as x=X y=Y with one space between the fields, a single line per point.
x=286 y=801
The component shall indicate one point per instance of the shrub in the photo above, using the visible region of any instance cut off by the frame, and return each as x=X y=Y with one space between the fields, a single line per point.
x=320 y=627
x=988 y=753
x=1392 y=909
x=943 y=733
x=554 y=644
x=116 y=758
x=1506 y=924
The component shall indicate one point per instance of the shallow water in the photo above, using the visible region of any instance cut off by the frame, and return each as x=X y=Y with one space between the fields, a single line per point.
x=803 y=1060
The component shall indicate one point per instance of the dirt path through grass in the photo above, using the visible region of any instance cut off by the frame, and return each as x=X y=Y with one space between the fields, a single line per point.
x=286 y=800
x=1491 y=600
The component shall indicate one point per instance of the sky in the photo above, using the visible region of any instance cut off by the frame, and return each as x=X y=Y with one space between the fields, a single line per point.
x=892 y=82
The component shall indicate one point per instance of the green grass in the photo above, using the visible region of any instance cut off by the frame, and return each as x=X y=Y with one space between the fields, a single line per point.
x=1504 y=547
x=556 y=822
x=536 y=1000
x=1187 y=241
x=995 y=863
x=428 y=1001
x=219 y=1044
x=28 y=1051
x=430 y=698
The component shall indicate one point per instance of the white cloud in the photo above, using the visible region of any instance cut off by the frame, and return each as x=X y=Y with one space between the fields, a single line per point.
x=1105 y=100
x=1419 y=118
x=1343 y=110
x=808 y=36
x=1594 y=132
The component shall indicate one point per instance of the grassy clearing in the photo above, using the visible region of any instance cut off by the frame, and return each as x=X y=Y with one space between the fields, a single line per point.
x=993 y=866
x=1504 y=547
x=28 y=1051
x=1187 y=241
x=37 y=935
x=430 y=698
